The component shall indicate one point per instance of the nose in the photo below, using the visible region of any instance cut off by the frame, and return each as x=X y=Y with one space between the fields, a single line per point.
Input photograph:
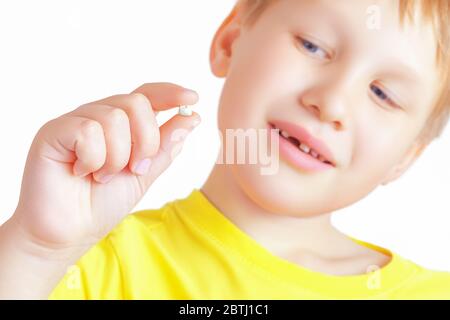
x=327 y=104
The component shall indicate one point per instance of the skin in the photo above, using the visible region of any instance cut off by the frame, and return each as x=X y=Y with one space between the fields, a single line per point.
x=269 y=73
x=80 y=177
x=66 y=206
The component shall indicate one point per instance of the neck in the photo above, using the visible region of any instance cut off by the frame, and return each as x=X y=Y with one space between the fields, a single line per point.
x=280 y=234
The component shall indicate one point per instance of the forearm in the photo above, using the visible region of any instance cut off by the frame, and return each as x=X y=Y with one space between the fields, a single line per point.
x=29 y=270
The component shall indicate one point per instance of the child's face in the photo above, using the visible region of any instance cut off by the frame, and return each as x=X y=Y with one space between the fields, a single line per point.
x=272 y=74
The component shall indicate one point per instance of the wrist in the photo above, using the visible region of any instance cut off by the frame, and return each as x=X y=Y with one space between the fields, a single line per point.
x=30 y=269
x=15 y=237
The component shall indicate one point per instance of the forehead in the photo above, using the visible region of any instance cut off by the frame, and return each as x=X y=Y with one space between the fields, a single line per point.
x=367 y=23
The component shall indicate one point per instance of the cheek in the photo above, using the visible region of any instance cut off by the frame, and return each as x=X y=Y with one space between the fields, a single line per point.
x=260 y=73
x=376 y=151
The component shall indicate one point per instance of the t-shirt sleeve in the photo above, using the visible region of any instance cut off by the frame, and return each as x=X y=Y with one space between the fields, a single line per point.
x=96 y=275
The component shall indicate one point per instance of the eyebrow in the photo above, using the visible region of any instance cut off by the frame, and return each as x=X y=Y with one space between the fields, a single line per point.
x=404 y=72
x=394 y=68
x=407 y=76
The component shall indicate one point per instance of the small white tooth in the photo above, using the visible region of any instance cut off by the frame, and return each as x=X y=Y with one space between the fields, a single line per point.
x=185 y=111
x=313 y=153
x=284 y=134
x=304 y=148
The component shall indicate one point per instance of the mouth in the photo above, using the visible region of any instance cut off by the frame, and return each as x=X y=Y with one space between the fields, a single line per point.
x=304 y=142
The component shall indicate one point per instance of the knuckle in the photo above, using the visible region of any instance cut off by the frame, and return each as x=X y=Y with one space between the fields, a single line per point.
x=117 y=116
x=90 y=128
x=139 y=112
x=138 y=100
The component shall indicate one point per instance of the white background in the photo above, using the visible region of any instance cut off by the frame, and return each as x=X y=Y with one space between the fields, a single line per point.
x=57 y=55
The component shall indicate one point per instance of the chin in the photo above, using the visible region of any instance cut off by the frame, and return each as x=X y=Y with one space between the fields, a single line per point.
x=284 y=193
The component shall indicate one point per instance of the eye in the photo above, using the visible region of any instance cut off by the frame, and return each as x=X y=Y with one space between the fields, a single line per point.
x=382 y=95
x=312 y=48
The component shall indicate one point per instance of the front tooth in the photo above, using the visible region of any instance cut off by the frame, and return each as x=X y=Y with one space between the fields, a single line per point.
x=284 y=134
x=304 y=148
x=314 y=154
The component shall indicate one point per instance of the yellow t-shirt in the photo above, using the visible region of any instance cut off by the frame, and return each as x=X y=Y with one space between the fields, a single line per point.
x=188 y=249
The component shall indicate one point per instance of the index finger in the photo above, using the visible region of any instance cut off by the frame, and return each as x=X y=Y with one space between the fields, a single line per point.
x=166 y=95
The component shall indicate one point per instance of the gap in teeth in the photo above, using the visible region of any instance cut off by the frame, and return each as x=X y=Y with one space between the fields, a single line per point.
x=303 y=147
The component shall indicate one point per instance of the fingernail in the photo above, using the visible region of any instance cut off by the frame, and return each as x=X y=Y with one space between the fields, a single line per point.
x=191 y=92
x=143 y=166
x=106 y=179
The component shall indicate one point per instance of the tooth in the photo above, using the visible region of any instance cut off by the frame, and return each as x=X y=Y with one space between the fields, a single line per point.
x=304 y=148
x=284 y=134
x=185 y=111
x=314 y=154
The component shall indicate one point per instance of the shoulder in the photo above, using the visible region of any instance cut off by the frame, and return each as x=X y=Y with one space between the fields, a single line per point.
x=132 y=249
x=141 y=228
x=427 y=284
x=142 y=221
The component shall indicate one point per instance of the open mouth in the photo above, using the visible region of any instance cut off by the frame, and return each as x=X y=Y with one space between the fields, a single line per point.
x=301 y=146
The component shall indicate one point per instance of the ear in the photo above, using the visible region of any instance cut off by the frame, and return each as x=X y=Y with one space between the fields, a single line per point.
x=222 y=44
x=410 y=157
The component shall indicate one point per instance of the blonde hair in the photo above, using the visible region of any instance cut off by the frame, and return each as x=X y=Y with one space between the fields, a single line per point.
x=436 y=12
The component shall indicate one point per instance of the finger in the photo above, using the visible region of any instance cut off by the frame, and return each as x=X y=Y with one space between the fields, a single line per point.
x=166 y=95
x=173 y=134
x=143 y=126
x=116 y=128
x=78 y=141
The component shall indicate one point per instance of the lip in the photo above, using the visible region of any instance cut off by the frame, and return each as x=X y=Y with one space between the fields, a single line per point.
x=304 y=136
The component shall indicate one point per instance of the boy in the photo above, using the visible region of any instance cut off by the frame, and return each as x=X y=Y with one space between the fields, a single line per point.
x=334 y=90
